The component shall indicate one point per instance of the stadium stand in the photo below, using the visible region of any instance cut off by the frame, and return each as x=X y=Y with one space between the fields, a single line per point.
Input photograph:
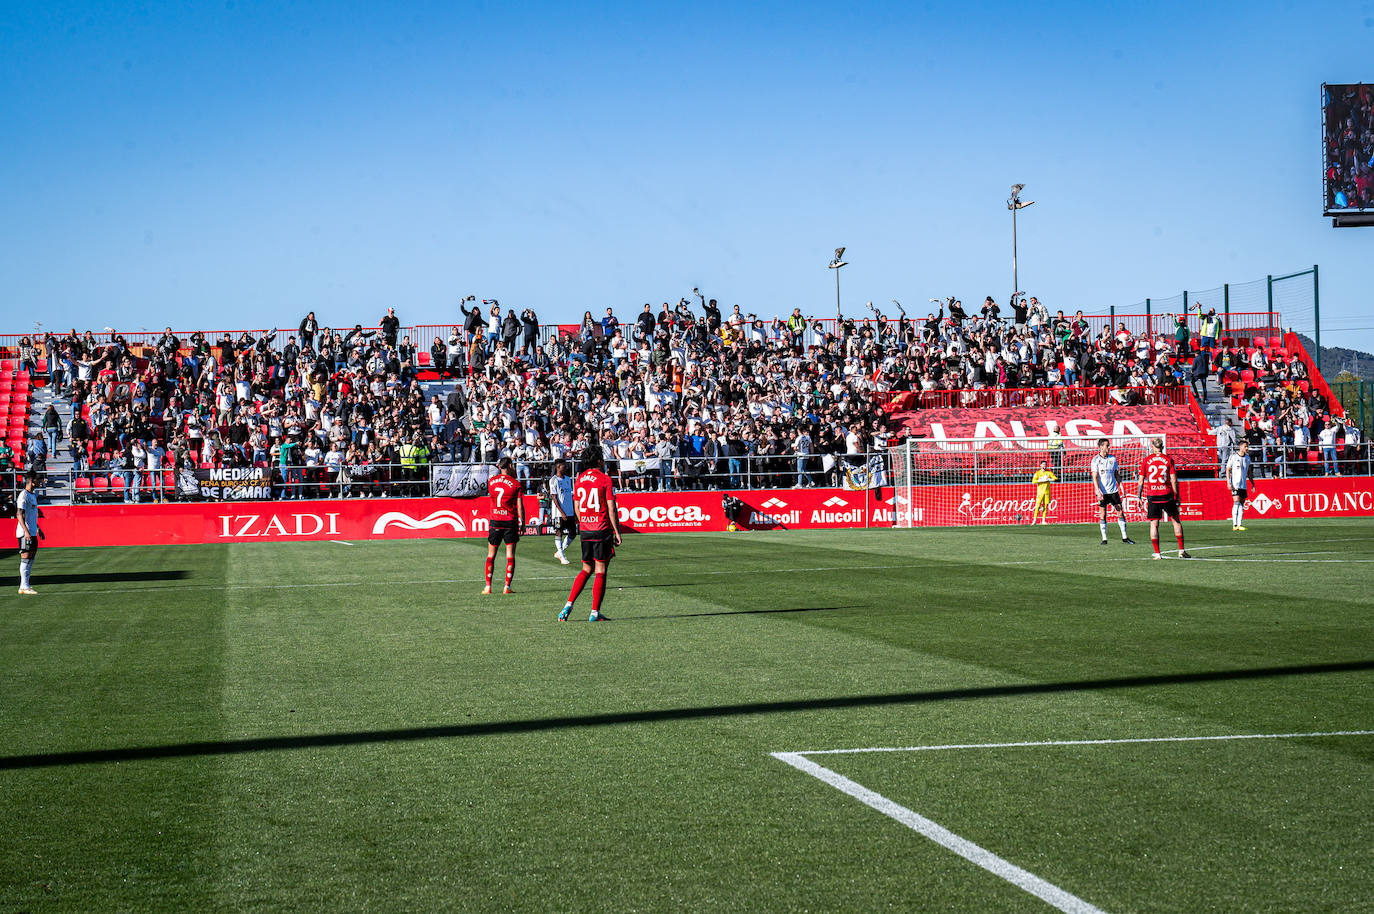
x=678 y=398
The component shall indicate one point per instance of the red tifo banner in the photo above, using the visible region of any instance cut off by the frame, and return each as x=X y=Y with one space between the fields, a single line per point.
x=1071 y=421
x=661 y=512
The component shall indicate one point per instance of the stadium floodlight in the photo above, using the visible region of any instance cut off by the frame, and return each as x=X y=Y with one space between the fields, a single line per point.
x=1014 y=203
x=835 y=265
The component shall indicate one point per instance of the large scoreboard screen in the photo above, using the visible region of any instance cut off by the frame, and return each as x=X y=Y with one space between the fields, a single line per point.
x=1348 y=148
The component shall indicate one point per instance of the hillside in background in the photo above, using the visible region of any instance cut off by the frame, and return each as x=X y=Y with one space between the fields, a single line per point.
x=1336 y=359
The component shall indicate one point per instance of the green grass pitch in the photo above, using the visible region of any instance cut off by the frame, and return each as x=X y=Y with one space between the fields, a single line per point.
x=331 y=727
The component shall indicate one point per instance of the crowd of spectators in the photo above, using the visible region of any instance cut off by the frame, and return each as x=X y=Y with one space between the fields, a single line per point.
x=1294 y=433
x=308 y=408
x=683 y=396
x=1350 y=147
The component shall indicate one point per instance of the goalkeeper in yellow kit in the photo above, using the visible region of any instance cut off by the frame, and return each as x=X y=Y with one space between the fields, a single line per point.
x=1042 y=479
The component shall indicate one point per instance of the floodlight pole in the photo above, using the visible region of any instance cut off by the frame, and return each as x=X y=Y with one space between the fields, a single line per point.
x=1015 y=281
x=836 y=265
x=1014 y=202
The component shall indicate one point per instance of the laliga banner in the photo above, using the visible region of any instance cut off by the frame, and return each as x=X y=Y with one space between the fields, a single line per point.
x=1071 y=421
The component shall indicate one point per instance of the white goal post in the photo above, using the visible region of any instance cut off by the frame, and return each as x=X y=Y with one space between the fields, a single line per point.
x=984 y=481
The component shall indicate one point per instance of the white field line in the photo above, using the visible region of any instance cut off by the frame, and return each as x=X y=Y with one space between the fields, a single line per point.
x=1090 y=560
x=342 y=542
x=1292 y=561
x=1023 y=879
x=1087 y=742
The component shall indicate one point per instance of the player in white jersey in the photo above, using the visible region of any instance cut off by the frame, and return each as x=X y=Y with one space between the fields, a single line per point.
x=1107 y=478
x=1237 y=480
x=561 y=506
x=26 y=529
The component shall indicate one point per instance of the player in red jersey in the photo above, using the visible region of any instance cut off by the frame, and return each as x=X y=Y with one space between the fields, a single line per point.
x=1158 y=485
x=600 y=530
x=507 y=518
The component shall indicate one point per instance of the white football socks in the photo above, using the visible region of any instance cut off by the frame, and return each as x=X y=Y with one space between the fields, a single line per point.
x=25 y=566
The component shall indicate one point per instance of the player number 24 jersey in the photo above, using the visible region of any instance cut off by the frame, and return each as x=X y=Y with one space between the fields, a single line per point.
x=593 y=495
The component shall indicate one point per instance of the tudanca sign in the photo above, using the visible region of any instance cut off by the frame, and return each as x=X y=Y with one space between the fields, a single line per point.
x=247 y=526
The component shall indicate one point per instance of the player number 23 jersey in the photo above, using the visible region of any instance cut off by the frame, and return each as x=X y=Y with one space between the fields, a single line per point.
x=1154 y=475
x=593 y=495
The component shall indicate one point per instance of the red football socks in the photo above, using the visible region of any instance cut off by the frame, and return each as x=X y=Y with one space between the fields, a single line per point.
x=510 y=570
x=578 y=583
x=490 y=561
x=598 y=591
x=1154 y=541
x=1179 y=537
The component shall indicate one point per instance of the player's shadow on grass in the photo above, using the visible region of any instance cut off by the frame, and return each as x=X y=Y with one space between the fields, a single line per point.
x=542 y=724
x=94 y=577
x=733 y=612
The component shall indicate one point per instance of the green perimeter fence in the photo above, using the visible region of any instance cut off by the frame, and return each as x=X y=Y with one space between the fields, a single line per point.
x=1357 y=396
x=1294 y=297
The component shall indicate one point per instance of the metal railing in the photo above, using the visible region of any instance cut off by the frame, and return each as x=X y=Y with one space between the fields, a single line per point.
x=872 y=469
x=282 y=483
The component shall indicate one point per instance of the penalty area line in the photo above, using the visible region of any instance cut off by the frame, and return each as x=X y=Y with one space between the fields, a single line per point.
x=1023 y=879
x=980 y=856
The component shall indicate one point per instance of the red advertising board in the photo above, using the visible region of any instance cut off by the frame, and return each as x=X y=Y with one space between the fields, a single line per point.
x=663 y=512
x=1204 y=499
x=1348 y=496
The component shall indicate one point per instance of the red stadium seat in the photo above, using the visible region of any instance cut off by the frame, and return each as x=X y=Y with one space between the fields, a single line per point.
x=423 y=360
x=8 y=364
x=100 y=485
x=1304 y=386
x=117 y=482
x=1276 y=341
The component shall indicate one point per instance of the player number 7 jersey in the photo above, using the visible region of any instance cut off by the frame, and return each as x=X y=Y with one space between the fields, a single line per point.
x=593 y=493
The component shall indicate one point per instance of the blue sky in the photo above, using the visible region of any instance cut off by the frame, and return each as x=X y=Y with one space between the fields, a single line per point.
x=239 y=163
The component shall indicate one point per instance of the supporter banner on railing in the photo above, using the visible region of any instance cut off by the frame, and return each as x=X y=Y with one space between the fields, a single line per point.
x=227 y=483
x=661 y=512
x=1071 y=422
x=461 y=480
